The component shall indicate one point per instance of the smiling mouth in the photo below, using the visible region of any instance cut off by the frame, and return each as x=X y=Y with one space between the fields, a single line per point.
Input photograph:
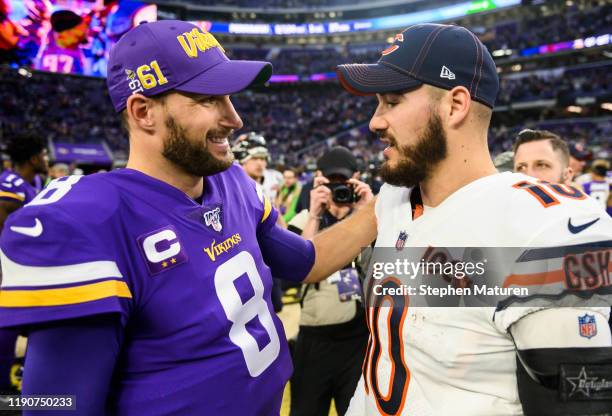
x=218 y=140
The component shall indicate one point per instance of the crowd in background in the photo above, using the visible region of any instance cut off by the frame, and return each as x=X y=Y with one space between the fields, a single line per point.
x=299 y=120
x=515 y=35
x=557 y=27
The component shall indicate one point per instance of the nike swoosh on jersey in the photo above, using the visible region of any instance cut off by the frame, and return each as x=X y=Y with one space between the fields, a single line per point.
x=34 y=231
x=575 y=229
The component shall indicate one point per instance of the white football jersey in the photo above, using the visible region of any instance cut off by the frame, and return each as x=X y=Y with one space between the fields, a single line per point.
x=461 y=361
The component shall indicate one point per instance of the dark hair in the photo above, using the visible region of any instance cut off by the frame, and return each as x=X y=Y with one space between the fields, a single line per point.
x=24 y=146
x=557 y=143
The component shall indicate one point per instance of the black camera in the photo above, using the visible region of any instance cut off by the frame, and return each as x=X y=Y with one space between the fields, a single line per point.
x=342 y=193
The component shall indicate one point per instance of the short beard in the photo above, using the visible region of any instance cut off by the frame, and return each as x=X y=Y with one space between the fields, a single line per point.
x=417 y=162
x=193 y=157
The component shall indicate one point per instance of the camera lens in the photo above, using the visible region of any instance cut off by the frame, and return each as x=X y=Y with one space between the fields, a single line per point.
x=342 y=194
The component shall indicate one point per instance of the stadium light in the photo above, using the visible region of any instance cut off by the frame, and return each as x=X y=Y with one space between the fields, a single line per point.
x=24 y=72
x=606 y=106
x=574 y=109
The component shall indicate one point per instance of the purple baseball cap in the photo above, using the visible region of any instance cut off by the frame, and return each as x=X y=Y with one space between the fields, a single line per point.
x=173 y=55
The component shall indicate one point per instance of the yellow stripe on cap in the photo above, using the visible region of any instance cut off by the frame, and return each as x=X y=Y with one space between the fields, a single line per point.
x=65 y=295
x=4 y=194
x=267 y=209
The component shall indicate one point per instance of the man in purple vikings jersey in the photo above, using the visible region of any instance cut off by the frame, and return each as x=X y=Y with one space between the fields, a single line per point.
x=18 y=187
x=146 y=291
x=599 y=186
x=28 y=154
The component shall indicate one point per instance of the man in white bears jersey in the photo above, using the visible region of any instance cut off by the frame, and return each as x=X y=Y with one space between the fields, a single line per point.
x=436 y=87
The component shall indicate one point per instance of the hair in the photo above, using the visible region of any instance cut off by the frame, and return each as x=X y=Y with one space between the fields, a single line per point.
x=600 y=167
x=24 y=146
x=480 y=112
x=557 y=143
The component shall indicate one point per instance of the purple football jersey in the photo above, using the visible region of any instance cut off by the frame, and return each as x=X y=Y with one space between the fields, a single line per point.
x=14 y=188
x=187 y=279
x=600 y=191
x=54 y=58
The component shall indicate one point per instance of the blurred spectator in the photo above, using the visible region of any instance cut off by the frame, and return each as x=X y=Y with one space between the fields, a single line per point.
x=288 y=195
x=543 y=155
x=578 y=159
x=599 y=186
x=272 y=182
x=59 y=170
x=504 y=162
x=332 y=339
x=251 y=152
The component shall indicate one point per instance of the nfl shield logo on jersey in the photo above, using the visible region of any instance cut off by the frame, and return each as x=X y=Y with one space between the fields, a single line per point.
x=401 y=240
x=212 y=219
x=587 y=326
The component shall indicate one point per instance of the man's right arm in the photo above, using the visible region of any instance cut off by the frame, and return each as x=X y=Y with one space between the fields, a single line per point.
x=73 y=358
x=339 y=244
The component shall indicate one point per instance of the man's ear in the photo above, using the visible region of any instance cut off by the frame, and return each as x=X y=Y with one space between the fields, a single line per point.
x=568 y=174
x=459 y=105
x=140 y=112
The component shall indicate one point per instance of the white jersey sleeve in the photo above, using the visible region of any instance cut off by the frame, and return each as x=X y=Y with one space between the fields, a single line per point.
x=573 y=248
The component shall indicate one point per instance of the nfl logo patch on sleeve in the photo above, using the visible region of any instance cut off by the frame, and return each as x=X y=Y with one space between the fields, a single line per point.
x=401 y=241
x=587 y=326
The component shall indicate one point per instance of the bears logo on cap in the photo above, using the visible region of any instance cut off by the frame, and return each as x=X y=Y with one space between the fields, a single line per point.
x=400 y=38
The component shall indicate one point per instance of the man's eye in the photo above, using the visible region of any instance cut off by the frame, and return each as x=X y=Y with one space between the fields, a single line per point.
x=206 y=100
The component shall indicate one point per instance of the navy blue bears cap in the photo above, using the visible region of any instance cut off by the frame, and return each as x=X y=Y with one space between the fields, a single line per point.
x=445 y=56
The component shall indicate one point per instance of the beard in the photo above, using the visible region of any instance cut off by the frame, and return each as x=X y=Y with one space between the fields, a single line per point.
x=193 y=156
x=418 y=161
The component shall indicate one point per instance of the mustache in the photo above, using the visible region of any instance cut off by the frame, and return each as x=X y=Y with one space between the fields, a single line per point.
x=383 y=135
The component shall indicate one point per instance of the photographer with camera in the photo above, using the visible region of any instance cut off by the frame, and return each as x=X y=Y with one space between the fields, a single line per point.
x=333 y=334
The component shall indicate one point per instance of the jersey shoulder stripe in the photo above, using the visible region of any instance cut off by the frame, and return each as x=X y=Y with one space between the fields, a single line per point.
x=64 y=296
x=12 y=196
x=16 y=275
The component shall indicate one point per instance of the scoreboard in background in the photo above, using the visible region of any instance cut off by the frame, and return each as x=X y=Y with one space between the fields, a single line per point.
x=67 y=36
x=400 y=21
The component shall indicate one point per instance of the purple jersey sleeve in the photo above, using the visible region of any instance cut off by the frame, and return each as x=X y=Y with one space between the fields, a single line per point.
x=75 y=358
x=14 y=188
x=58 y=256
x=286 y=253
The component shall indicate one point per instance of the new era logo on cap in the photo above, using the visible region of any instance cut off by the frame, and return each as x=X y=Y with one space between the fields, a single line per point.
x=446 y=73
